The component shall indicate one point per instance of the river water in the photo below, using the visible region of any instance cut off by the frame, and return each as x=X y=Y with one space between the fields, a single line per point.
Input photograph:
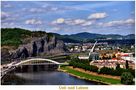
x=45 y=78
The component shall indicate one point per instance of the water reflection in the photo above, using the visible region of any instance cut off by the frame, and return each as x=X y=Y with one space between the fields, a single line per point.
x=42 y=75
x=46 y=78
x=51 y=78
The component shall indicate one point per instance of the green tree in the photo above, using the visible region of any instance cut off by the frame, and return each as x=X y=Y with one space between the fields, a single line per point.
x=127 y=78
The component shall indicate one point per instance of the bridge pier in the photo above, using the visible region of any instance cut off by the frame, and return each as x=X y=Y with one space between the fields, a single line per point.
x=30 y=68
x=59 y=67
x=34 y=68
x=25 y=68
x=39 y=68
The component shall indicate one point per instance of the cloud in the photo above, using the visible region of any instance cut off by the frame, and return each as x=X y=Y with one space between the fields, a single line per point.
x=88 y=23
x=55 y=29
x=7 y=24
x=97 y=15
x=33 y=22
x=4 y=15
x=68 y=21
x=59 y=21
x=35 y=10
x=130 y=21
x=118 y=22
x=46 y=9
x=89 y=6
x=79 y=21
x=115 y=10
x=73 y=22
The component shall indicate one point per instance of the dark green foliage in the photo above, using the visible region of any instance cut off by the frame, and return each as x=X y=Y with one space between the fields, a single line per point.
x=68 y=57
x=132 y=71
x=116 y=72
x=15 y=36
x=127 y=78
x=75 y=62
x=119 y=71
x=106 y=70
x=93 y=68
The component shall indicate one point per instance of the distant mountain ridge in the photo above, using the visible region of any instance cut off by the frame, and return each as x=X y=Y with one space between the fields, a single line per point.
x=16 y=36
x=85 y=36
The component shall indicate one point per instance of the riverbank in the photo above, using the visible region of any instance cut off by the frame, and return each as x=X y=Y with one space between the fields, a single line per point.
x=79 y=73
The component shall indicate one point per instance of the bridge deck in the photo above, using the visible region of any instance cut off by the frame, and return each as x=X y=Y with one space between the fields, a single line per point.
x=24 y=62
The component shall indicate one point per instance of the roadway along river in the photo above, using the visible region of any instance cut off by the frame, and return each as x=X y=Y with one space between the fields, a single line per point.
x=45 y=78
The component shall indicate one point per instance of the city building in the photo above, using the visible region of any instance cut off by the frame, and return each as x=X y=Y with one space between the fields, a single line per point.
x=94 y=56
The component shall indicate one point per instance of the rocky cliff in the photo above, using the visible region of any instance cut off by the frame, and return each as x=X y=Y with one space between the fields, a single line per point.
x=17 y=43
x=45 y=45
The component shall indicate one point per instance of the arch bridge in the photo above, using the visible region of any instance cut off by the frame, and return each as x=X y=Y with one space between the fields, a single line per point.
x=37 y=61
x=47 y=63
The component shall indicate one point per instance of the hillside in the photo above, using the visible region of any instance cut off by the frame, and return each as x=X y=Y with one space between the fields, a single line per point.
x=19 y=44
x=17 y=36
x=87 y=37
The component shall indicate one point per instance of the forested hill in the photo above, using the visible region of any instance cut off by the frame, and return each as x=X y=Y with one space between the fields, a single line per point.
x=91 y=37
x=17 y=36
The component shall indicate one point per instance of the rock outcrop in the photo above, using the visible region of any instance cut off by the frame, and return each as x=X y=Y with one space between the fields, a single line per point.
x=45 y=45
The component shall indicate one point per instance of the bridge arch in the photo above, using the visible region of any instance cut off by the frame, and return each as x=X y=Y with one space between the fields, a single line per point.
x=34 y=59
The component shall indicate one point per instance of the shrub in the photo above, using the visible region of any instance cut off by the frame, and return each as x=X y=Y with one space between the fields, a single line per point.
x=106 y=70
x=119 y=71
x=93 y=68
x=75 y=62
x=132 y=71
x=127 y=78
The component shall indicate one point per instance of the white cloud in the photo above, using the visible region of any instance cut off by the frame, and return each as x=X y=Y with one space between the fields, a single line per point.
x=97 y=15
x=112 y=23
x=130 y=21
x=54 y=8
x=118 y=22
x=33 y=21
x=42 y=9
x=59 y=21
x=7 y=24
x=80 y=22
x=88 y=23
x=35 y=10
x=4 y=15
x=56 y=29
x=69 y=21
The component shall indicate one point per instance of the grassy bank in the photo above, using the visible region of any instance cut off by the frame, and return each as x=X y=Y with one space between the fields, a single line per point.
x=89 y=77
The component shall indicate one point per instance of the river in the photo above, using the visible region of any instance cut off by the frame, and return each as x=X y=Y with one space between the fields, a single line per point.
x=45 y=78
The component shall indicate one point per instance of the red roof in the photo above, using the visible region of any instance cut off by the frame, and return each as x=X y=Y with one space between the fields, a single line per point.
x=124 y=55
x=114 y=59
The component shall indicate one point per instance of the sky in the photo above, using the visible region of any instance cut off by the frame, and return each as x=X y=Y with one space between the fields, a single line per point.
x=69 y=17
